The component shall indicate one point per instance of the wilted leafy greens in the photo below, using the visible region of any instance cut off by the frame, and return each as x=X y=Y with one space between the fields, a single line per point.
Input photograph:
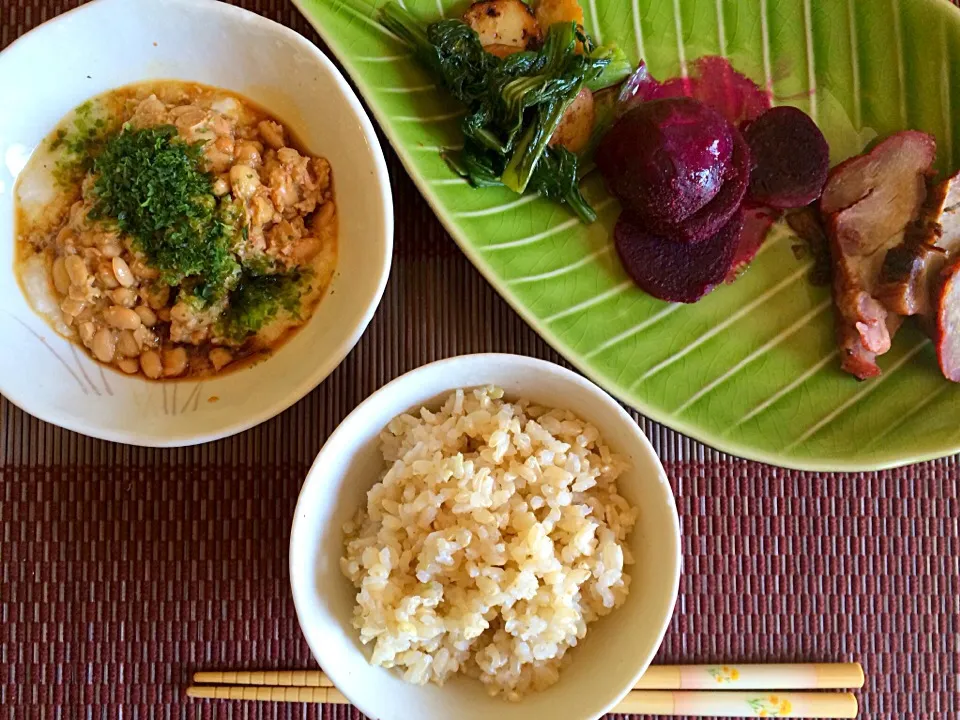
x=515 y=103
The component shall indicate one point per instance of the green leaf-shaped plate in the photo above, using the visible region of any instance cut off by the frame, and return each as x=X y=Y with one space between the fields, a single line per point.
x=752 y=369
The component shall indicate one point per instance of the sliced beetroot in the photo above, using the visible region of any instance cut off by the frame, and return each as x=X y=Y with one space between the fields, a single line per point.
x=791 y=158
x=676 y=271
x=666 y=159
x=710 y=79
x=708 y=220
x=947 y=332
x=756 y=224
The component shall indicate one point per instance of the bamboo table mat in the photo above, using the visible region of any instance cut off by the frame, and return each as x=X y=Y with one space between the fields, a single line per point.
x=124 y=570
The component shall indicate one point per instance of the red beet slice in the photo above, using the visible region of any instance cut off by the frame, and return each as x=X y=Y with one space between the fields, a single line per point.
x=711 y=80
x=666 y=159
x=756 y=224
x=707 y=221
x=676 y=271
x=791 y=158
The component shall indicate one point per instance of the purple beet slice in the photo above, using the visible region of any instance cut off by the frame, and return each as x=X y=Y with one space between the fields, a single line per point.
x=708 y=220
x=666 y=159
x=676 y=271
x=791 y=158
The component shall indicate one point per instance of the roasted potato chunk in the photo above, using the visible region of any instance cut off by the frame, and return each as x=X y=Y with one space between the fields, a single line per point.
x=576 y=125
x=509 y=23
x=555 y=11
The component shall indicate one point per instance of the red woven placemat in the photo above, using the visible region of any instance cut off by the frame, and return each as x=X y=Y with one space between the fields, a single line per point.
x=124 y=570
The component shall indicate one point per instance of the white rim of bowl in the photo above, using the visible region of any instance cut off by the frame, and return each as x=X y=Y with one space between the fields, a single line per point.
x=138 y=438
x=300 y=595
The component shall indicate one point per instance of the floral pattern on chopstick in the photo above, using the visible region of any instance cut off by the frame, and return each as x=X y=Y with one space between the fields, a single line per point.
x=770 y=706
x=724 y=673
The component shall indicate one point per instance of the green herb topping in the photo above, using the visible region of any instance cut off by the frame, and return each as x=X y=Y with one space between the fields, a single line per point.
x=153 y=185
x=79 y=144
x=258 y=299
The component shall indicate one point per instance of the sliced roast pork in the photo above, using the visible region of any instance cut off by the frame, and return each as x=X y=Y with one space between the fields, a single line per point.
x=868 y=203
x=946 y=325
x=911 y=271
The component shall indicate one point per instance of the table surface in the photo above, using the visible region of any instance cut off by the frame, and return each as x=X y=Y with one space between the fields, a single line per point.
x=124 y=570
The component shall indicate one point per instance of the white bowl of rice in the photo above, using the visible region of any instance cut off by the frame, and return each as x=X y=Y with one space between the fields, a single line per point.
x=489 y=535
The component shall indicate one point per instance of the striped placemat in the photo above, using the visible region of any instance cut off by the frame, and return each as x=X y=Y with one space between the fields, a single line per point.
x=124 y=570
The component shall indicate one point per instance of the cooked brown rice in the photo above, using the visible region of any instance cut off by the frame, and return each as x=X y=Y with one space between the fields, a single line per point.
x=494 y=538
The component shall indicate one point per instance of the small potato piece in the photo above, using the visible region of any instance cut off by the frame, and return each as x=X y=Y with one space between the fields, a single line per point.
x=151 y=364
x=550 y=12
x=503 y=22
x=576 y=125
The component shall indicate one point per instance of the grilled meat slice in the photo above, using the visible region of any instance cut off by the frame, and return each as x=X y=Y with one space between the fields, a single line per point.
x=867 y=203
x=910 y=272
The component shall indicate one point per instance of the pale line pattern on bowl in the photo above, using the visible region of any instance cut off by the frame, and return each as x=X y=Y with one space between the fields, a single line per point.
x=902 y=419
x=811 y=62
x=855 y=66
x=681 y=50
x=620 y=337
x=440 y=8
x=586 y=260
x=786 y=390
x=721 y=29
x=449 y=181
x=529 y=239
x=48 y=346
x=522 y=200
x=83 y=371
x=856 y=397
x=901 y=70
x=717 y=329
x=106 y=384
x=193 y=397
x=640 y=327
x=638 y=29
x=762 y=350
x=595 y=300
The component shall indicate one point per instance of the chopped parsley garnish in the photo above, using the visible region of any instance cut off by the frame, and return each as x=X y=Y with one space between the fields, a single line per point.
x=154 y=187
x=258 y=299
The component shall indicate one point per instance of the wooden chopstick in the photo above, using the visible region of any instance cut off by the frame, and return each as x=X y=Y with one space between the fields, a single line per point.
x=647 y=702
x=782 y=676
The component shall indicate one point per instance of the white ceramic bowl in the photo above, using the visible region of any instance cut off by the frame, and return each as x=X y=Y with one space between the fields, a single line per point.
x=111 y=43
x=617 y=648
